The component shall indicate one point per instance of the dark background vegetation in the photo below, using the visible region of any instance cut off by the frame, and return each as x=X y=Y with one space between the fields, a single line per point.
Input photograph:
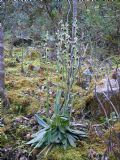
x=98 y=22
x=65 y=76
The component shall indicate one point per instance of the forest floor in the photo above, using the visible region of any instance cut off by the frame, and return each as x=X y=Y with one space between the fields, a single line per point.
x=31 y=87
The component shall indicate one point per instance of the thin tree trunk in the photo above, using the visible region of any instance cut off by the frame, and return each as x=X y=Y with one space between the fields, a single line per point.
x=2 y=70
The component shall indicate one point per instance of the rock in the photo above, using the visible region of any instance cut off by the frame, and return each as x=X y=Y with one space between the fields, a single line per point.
x=106 y=98
x=19 y=119
x=88 y=72
x=32 y=121
x=23 y=158
x=28 y=136
x=22 y=41
x=1 y=122
x=108 y=86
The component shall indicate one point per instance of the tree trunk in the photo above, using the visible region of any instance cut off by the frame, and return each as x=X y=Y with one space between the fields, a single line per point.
x=2 y=70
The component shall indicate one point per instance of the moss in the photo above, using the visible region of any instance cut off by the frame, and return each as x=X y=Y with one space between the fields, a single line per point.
x=10 y=62
x=25 y=105
x=36 y=62
x=69 y=154
x=32 y=54
x=33 y=107
x=77 y=89
x=112 y=157
x=117 y=127
x=17 y=98
x=81 y=101
x=113 y=131
x=21 y=131
x=24 y=82
x=22 y=93
x=3 y=139
x=17 y=50
x=7 y=135
x=7 y=119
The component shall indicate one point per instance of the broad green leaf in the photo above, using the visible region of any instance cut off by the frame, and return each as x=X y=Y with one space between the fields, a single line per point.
x=37 y=138
x=71 y=140
x=39 y=144
x=77 y=132
x=65 y=144
x=41 y=121
x=57 y=103
x=37 y=133
x=61 y=129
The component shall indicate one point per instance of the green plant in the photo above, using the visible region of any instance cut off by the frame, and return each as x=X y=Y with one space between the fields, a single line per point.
x=4 y=139
x=57 y=130
x=19 y=109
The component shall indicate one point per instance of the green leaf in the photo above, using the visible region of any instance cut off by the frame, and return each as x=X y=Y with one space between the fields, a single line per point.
x=61 y=129
x=41 y=121
x=40 y=143
x=37 y=138
x=54 y=137
x=37 y=133
x=77 y=132
x=65 y=144
x=71 y=140
x=57 y=103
